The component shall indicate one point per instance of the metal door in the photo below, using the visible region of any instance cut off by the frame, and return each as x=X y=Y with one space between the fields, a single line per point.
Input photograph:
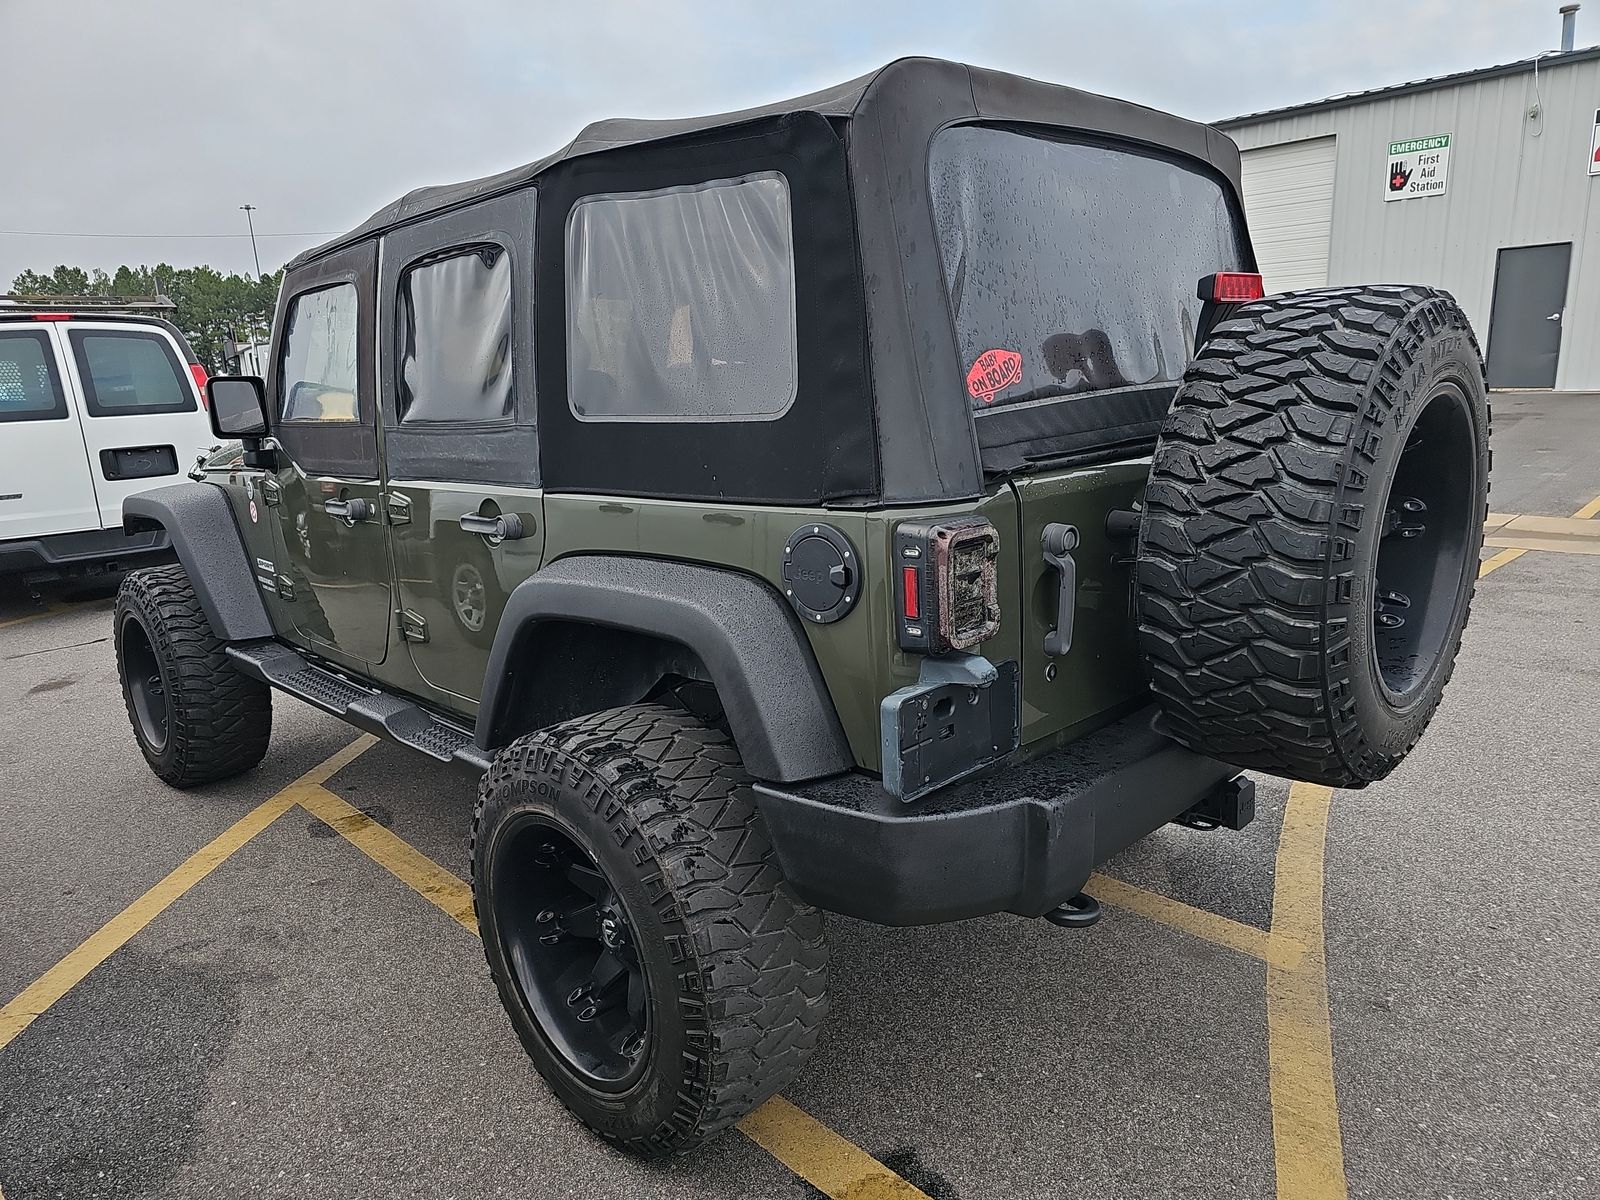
x=143 y=423
x=334 y=573
x=1530 y=298
x=45 y=484
x=461 y=472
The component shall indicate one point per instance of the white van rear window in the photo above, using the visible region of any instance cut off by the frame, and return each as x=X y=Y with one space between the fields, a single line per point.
x=129 y=371
x=30 y=388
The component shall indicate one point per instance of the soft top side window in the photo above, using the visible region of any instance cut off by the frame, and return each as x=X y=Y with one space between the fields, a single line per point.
x=681 y=303
x=454 y=337
x=317 y=364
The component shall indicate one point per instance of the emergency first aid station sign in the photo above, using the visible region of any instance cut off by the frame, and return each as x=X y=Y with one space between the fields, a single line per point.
x=1418 y=167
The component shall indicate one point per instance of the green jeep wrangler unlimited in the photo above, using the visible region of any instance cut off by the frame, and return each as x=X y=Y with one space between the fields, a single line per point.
x=894 y=501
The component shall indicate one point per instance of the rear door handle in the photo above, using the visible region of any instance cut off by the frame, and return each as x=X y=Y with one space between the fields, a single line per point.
x=505 y=528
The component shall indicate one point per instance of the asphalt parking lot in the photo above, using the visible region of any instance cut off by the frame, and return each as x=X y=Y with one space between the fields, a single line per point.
x=273 y=988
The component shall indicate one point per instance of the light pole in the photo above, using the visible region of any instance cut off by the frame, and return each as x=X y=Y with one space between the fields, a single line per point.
x=247 y=209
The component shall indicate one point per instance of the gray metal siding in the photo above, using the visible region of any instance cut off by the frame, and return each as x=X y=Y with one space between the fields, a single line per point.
x=1507 y=187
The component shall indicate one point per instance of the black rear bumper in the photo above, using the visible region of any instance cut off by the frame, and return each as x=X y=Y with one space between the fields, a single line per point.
x=1023 y=839
x=63 y=555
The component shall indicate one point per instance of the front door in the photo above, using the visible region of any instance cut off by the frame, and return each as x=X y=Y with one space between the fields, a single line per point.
x=465 y=512
x=334 y=568
x=1530 y=300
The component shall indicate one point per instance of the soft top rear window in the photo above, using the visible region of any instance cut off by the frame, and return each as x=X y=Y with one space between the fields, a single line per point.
x=1071 y=267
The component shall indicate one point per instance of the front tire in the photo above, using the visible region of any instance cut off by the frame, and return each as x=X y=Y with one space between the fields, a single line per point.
x=657 y=968
x=195 y=718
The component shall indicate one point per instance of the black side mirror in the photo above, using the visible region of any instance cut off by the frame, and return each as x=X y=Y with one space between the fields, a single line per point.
x=237 y=406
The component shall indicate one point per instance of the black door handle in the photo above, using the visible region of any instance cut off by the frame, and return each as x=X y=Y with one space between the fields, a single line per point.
x=505 y=528
x=1058 y=542
x=348 y=511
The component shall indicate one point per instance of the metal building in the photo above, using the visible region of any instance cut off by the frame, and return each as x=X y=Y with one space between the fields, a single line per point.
x=1486 y=183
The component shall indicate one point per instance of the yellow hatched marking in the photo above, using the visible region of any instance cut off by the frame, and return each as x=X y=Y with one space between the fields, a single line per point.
x=1307 y=1146
x=1589 y=511
x=38 y=996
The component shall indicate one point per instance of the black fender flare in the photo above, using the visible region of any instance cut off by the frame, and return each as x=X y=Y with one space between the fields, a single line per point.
x=199 y=521
x=749 y=641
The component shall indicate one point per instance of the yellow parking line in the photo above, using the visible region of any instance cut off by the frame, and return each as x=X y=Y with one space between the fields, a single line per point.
x=835 y=1167
x=1307 y=1147
x=1499 y=560
x=38 y=996
x=394 y=854
x=1589 y=511
x=1197 y=922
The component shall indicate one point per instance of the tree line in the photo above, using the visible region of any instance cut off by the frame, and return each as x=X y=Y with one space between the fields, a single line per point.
x=210 y=307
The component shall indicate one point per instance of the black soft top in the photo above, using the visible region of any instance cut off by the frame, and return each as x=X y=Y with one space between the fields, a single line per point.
x=883 y=412
x=890 y=90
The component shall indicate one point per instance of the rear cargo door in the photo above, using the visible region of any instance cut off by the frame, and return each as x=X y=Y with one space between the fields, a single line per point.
x=143 y=424
x=1073 y=266
x=45 y=485
x=1096 y=674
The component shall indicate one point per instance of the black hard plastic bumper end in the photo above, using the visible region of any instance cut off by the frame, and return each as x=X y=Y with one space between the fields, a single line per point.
x=1024 y=839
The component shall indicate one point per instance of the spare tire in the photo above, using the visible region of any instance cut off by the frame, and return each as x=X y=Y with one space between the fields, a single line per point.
x=1310 y=535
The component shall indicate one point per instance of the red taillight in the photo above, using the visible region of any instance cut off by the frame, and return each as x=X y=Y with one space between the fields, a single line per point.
x=52 y=316
x=1232 y=287
x=199 y=374
x=949 y=600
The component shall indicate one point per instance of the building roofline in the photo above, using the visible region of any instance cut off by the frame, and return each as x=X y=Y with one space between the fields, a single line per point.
x=1551 y=58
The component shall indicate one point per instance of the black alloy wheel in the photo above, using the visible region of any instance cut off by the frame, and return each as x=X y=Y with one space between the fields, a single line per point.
x=1428 y=531
x=147 y=684
x=573 y=953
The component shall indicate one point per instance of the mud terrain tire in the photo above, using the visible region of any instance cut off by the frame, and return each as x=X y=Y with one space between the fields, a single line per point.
x=1311 y=532
x=649 y=810
x=196 y=719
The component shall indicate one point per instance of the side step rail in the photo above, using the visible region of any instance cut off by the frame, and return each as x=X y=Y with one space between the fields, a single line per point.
x=389 y=716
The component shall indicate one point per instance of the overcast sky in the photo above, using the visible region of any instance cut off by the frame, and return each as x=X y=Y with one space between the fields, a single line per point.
x=163 y=116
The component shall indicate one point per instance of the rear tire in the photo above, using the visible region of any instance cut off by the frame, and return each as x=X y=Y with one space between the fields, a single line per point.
x=1311 y=532
x=629 y=840
x=195 y=718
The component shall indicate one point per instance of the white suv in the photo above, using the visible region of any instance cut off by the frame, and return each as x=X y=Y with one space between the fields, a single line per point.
x=93 y=408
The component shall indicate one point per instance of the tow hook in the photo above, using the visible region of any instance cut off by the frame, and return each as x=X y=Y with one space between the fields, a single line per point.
x=1080 y=912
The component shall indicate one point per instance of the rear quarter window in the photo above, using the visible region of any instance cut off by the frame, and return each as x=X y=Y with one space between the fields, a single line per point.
x=1072 y=266
x=30 y=386
x=681 y=303
x=130 y=372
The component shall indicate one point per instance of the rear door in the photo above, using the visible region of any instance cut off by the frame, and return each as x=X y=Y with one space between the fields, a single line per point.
x=1073 y=268
x=45 y=484
x=143 y=424
x=462 y=498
